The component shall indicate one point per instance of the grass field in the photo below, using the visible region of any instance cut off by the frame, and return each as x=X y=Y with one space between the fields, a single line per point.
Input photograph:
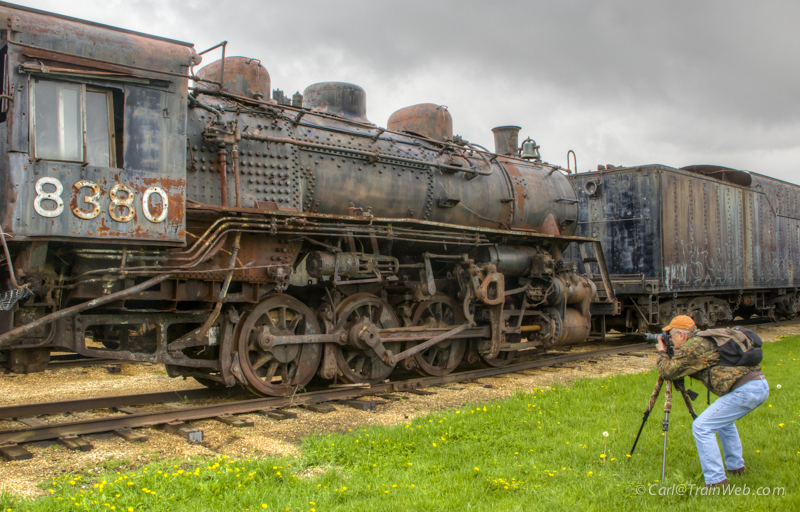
x=541 y=450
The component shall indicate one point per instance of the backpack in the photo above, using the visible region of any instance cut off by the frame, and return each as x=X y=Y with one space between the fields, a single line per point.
x=737 y=347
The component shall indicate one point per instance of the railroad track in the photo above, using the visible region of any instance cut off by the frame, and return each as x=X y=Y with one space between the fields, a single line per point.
x=175 y=420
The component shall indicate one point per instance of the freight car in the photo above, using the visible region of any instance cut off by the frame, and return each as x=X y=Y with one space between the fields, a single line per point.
x=241 y=241
x=706 y=241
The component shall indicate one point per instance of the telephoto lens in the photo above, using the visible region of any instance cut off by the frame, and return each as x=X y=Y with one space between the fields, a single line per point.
x=653 y=338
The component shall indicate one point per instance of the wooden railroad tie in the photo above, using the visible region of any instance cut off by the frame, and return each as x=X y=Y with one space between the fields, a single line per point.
x=234 y=421
x=575 y=367
x=362 y=405
x=420 y=392
x=75 y=443
x=190 y=433
x=127 y=410
x=392 y=398
x=14 y=452
x=280 y=415
x=453 y=388
x=131 y=435
x=32 y=422
x=320 y=408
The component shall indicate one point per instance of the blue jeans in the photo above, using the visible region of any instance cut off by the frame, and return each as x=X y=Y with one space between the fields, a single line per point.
x=718 y=418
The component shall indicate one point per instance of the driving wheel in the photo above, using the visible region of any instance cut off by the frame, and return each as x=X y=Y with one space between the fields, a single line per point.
x=359 y=364
x=444 y=357
x=274 y=370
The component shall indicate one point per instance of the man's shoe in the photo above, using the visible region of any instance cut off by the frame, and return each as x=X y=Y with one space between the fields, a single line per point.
x=742 y=470
x=723 y=483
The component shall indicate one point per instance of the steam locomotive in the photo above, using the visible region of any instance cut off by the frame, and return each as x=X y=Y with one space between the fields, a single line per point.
x=239 y=240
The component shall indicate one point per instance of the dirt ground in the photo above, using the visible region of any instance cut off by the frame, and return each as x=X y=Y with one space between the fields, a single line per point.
x=267 y=436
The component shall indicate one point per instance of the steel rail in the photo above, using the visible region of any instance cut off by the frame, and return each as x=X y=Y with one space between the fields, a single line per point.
x=149 y=419
x=105 y=402
x=83 y=362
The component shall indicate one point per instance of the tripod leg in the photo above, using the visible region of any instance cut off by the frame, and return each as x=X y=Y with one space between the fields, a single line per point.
x=650 y=406
x=686 y=398
x=665 y=425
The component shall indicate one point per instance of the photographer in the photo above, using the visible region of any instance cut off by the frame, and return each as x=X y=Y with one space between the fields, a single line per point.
x=740 y=389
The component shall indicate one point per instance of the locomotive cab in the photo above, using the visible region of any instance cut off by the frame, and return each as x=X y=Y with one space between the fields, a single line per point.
x=93 y=131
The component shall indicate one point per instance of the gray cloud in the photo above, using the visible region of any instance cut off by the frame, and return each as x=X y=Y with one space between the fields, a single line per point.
x=676 y=82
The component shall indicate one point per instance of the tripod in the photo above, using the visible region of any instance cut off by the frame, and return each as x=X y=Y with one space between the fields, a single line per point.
x=688 y=396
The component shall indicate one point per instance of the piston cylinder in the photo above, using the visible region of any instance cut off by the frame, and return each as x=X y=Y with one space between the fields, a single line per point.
x=575 y=329
x=321 y=264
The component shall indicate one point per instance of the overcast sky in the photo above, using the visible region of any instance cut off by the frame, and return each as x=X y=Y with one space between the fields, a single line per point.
x=675 y=82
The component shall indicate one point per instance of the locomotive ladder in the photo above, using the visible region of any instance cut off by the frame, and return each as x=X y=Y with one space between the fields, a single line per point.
x=605 y=293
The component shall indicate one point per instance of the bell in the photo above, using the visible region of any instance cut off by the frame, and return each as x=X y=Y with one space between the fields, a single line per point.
x=530 y=149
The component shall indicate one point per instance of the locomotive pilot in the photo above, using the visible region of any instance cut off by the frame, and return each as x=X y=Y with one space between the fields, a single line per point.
x=740 y=390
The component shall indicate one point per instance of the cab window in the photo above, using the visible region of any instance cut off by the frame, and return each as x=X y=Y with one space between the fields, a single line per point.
x=73 y=122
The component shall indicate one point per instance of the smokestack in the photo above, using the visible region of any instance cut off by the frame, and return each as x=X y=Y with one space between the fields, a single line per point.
x=506 y=140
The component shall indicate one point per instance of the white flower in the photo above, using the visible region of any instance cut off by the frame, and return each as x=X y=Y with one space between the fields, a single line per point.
x=778 y=386
x=605 y=434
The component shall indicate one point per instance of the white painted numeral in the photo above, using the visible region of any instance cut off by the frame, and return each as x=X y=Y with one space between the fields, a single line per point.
x=41 y=195
x=93 y=199
x=116 y=202
x=146 y=204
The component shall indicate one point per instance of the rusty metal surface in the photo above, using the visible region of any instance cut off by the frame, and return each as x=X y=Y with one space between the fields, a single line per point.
x=506 y=140
x=247 y=189
x=243 y=77
x=95 y=41
x=426 y=119
x=337 y=98
x=322 y=164
x=706 y=233
x=151 y=74
x=88 y=404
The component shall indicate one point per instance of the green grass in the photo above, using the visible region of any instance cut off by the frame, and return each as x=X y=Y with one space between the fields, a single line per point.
x=540 y=450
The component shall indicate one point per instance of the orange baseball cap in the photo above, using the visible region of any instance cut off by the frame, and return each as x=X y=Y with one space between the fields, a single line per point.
x=683 y=322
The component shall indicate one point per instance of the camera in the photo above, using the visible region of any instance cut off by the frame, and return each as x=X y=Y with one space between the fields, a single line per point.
x=664 y=338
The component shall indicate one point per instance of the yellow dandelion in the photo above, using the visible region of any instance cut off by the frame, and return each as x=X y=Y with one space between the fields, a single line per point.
x=602 y=455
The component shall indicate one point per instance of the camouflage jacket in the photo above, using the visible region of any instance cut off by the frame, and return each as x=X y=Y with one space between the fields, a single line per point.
x=698 y=358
